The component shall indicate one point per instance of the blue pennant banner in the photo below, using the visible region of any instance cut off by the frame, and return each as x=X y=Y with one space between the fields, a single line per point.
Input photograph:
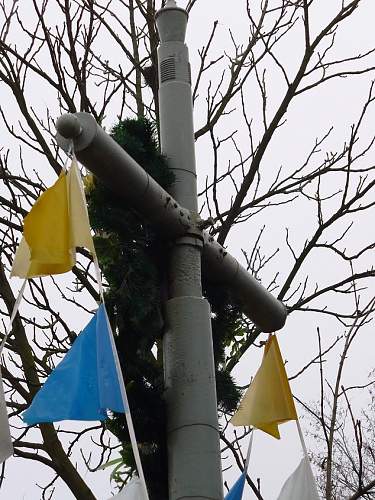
x=86 y=383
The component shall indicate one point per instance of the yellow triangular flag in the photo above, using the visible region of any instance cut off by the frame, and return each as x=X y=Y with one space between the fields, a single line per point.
x=57 y=223
x=45 y=248
x=268 y=401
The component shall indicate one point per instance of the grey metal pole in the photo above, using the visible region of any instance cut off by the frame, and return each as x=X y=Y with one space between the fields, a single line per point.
x=194 y=460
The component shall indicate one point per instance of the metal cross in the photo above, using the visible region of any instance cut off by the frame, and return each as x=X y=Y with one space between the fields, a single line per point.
x=194 y=461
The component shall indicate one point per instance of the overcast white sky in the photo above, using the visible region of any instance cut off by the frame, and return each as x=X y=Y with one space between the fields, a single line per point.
x=337 y=103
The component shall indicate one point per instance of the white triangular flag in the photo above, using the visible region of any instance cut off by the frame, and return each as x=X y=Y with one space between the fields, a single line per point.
x=301 y=484
x=132 y=491
x=6 y=447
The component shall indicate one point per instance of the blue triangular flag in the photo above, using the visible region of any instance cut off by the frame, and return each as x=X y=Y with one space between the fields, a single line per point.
x=235 y=493
x=85 y=383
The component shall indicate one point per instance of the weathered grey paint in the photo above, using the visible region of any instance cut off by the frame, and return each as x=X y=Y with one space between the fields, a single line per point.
x=194 y=461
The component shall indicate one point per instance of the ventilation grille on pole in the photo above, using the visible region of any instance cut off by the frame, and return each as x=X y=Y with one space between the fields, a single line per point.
x=168 y=69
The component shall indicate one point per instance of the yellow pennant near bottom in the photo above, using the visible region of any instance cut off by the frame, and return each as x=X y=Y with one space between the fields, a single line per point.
x=268 y=401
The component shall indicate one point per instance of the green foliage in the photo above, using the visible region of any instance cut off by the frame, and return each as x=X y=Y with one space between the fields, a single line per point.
x=138 y=138
x=226 y=324
x=133 y=259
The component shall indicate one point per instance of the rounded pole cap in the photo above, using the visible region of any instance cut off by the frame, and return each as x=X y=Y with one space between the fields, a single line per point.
x=68 y=126
x=81 y=128
x=171 y=22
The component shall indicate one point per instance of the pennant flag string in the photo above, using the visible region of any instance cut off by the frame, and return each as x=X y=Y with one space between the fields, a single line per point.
x=69 y=154
x=91 y=368
x=128 y=417
x=84 y=216
x=13 y=315
x=249 y=449
x=137 y=458
x=99 y=278
x=303 y=444
x=6 y=445
x=236 y=492
x=267 y=403
x=120 y=378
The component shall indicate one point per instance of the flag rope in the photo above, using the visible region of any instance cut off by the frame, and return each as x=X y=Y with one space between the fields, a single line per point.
x=120 y=377
x=71 y=155
x=307 y=459
x=249 y=450
x=8 y=331
x=95 y=258
x=13 y=315
x=302 y=440
x=128 y=416
x=99 y=278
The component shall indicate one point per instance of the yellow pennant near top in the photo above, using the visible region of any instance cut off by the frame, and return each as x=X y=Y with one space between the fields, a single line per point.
x=268 y=401
x=57 y=224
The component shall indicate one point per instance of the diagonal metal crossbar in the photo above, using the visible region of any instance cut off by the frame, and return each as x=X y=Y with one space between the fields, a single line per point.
x=194 y=465
x=100 y=154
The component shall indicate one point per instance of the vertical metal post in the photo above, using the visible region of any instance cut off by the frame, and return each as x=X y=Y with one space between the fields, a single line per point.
x=192 y=424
